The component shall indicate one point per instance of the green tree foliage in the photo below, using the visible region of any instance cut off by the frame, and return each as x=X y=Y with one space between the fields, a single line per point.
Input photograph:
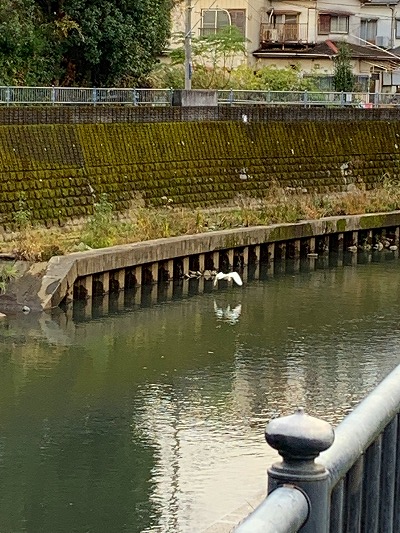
x=240 y=77
x=213 y=58
x=271 y=79
x=343 y=78
x=118 y=40
x=218 y=63
x=28 y=52
x=81 y=42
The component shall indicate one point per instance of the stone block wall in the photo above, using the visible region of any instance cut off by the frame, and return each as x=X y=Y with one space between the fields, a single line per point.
x=60 y=169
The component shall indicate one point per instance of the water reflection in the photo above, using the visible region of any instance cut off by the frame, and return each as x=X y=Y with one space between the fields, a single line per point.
x=228 y=314
x=151 y=419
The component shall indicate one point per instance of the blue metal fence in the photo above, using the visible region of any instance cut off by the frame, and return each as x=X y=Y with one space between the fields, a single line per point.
x=353 y=485
x=84 y=95
x=163 y=97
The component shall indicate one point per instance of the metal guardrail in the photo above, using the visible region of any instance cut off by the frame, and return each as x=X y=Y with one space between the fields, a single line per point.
x=84 y=95
x=301 y=98
x=353 y=486
x=163 y=97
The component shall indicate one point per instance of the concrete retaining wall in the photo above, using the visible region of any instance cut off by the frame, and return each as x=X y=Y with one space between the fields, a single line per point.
x=60 y=170
x=83 y=274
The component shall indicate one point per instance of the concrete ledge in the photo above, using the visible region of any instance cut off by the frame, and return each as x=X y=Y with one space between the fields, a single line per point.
x=195 y=98
x=62 y=271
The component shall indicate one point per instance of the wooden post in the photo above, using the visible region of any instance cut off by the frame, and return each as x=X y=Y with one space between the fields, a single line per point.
x=154 y=272
x=246 y=256
x=87 y=283
x=185 y=263
x=202 y=259
x=230 y=254
x=169 y=265
x=311 y=245
x=271 y=258
x=257 y=253
x=215 y=257
x=296 y=259
x=105 y=279
x=119 y=276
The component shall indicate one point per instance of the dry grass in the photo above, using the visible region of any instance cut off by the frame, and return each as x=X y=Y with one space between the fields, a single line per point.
x=140 y=223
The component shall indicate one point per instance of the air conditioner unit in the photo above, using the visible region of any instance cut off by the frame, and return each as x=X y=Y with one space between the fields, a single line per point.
x=270 y=35
x=382 y=41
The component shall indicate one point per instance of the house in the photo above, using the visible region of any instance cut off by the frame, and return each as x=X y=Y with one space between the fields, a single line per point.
x=306 y=33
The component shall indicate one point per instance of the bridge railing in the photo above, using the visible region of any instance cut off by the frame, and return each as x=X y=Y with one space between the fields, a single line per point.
x=349 y=479
x=163 y=97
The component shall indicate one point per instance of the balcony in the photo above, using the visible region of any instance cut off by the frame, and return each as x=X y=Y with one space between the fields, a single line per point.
x=288 y=34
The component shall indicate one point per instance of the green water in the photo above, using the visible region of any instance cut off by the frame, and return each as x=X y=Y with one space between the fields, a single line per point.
x=151 y=419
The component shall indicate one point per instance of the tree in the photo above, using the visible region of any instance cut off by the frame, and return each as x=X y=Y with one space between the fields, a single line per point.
x=75 y=42
x=213 y=59
x=282 y=79
x=343 y=78
x=118 y=41
x=28 y=53
x=240 y=77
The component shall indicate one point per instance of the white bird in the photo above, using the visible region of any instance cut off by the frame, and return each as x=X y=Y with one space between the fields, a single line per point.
x=228 y=277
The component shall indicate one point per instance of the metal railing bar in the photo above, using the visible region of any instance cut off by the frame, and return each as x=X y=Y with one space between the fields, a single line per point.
x=354 y=496
x=388 y=477
x=285 y=510
x=163 y=97
x=362 y=426
x=337 y=508
x=396 y=514
x=371 y=487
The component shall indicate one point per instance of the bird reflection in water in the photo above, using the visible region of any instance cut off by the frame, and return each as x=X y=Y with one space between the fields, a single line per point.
x=228 y=314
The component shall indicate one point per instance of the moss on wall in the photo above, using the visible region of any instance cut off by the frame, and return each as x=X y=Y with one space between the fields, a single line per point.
x=62 y=168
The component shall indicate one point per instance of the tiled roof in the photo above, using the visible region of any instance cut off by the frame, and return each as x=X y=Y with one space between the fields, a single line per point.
x=381 y=2
x=328 y=49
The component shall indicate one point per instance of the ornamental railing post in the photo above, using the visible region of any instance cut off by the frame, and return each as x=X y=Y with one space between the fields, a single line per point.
x=299 y=439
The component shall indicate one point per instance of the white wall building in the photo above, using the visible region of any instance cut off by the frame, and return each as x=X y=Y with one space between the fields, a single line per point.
x=307 y=32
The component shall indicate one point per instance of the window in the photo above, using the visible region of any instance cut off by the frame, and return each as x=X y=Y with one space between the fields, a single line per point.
x=397 y=28
x=333 y=24
x=368 y=30
x=284 y=18
x=339 y=24
x=238 y=19
x=217 y=19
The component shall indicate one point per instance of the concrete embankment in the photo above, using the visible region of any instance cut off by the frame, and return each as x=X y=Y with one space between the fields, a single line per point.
x=61 y=163
x=111 y=270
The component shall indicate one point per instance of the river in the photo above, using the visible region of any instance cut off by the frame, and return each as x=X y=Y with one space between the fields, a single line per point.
x=151 y=419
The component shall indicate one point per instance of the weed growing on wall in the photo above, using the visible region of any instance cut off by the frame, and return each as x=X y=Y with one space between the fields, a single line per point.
x=33 y=242
x=139 y=223
x=23 y=215
x=8 y=272
x=100 y=229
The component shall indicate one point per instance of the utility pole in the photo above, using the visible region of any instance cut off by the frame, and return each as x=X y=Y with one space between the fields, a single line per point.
x=188 y=46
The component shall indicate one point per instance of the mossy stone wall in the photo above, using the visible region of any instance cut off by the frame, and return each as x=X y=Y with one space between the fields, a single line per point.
x=61 y=169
